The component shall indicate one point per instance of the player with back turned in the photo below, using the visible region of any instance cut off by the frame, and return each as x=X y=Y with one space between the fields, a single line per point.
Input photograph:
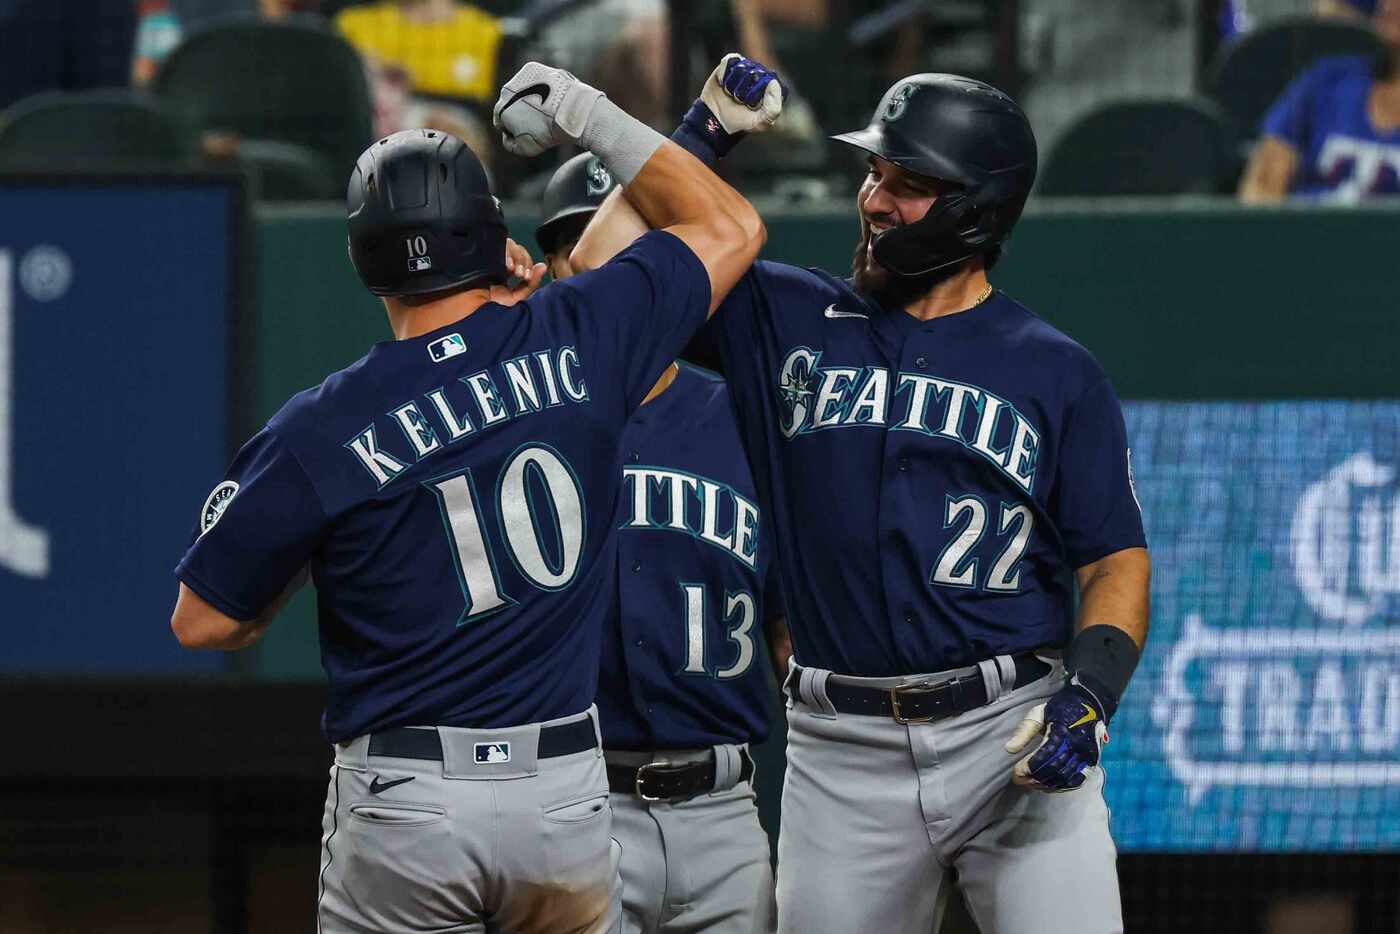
x=684 y=686
x=942 y=468
x=452 y=494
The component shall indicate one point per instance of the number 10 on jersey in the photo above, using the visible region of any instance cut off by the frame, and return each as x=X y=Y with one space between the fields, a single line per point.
x=524 y=517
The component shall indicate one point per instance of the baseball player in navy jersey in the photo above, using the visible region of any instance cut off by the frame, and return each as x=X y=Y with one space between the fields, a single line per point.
x=684 y=686
x=454 y=494
x=942 y=469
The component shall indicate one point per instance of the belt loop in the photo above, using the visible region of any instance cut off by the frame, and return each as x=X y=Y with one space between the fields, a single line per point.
x=811 y=689
x=727 y=767
x=1007 y=664
x=597 y=729
x=991 y=677
x=353 y=754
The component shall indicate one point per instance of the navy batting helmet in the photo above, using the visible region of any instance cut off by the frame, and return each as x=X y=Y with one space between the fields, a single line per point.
x=960 y=131
x=574 y=192
x=422 y=217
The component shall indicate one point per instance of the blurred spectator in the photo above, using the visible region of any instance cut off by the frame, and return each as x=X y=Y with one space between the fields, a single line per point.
x=396 y=108
x=425 y=59
x=1354 y=10
x=447 y=49
x=752 y=19
x=622 y=47
x=1334 y=134
x=163 y=23
x=63 y=45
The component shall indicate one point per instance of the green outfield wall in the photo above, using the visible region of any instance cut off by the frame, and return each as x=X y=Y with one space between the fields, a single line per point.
x=1190 y=301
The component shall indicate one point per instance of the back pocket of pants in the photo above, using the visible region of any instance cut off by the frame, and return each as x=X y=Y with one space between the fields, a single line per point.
x=397 y=814
x=577 y=810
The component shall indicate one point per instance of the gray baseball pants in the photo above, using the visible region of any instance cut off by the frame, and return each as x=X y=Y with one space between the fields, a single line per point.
x=878 y=815
x=491 y=838
x=698 y=865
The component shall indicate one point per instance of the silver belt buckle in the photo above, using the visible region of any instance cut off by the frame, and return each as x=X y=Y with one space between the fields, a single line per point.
x=922 y=687
x=641 y=774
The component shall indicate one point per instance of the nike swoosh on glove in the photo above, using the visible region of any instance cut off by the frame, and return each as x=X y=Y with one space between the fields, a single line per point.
x=542 y=107
x=1072 y=733
x=745 y=96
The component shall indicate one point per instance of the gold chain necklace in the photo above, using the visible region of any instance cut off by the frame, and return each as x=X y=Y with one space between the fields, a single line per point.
x=986 y=294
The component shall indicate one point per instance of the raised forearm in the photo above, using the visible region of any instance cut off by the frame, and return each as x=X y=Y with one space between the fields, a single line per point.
x=1114 y=592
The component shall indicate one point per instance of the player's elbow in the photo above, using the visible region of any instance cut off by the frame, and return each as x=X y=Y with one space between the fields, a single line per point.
x=188 y=632
x=749 y=227
x=194 y=630
x=582 y=258
x=740 y=228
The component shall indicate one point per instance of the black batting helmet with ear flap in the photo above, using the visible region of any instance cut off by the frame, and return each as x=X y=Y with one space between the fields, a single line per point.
x=422 y=217
x=575 y=191
x=964 y=132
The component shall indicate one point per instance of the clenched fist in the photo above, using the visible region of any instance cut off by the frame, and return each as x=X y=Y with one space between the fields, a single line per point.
x=542 y=107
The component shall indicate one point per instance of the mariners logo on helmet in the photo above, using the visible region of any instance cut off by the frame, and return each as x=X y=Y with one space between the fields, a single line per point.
x=599 y=178
x=899 y=103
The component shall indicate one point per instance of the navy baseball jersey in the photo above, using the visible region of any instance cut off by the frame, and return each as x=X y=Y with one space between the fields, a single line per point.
x=1325 y=115
x=931 y=484
x=453 y=494
x=685 y=664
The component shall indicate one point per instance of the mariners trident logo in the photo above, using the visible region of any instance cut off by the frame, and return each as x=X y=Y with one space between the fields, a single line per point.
x=599 y=178
x=899 y=102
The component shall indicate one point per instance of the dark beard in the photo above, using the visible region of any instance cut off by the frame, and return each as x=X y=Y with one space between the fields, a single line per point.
x=886 y=288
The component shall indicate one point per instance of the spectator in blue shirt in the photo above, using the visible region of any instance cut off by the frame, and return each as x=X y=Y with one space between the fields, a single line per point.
x=1334 y=134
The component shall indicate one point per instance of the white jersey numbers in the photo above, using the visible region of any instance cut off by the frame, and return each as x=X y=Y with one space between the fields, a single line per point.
x=525 y=516
x=966 y=518
x=740 y=610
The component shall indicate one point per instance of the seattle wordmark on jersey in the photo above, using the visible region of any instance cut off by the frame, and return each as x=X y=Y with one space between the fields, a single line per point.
x=684 y=664
x=930 y=485
x=839 y=397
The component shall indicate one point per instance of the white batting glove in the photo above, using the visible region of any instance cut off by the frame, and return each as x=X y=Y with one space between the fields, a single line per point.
x=744 y=96
x=542 y=107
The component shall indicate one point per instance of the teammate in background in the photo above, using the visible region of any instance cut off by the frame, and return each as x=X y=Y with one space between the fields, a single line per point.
x=940 y=464
x=453 y=494
x=683 y=688
x=1334 y=134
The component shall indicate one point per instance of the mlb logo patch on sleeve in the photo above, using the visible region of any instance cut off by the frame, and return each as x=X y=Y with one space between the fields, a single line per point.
x=445 y=348
x=492 y=753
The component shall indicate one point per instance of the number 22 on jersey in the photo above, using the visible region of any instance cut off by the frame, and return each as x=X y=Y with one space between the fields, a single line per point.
x=968 y=515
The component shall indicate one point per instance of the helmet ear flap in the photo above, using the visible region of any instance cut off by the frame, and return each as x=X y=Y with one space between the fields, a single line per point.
x=983 y=228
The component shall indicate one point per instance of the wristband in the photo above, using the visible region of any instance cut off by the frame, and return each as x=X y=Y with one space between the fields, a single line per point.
x=1102 y=658
x=701 y=135
x=623 y=142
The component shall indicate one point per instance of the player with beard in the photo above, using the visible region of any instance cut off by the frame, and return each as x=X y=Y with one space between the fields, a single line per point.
x=944 y=470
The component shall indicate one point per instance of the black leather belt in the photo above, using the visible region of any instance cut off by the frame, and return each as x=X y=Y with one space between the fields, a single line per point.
x=916 y=703
x=669 y=781
x=413 y=743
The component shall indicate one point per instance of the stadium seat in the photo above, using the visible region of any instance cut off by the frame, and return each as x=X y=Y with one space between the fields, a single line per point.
x=292 y=82
x=287 y=172
x=91 y=130
x=1142 y=147
x=1249 y=74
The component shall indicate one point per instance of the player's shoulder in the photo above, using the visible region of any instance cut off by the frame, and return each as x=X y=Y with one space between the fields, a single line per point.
x=1033 y=335
x=315 y=409
x=798 y=290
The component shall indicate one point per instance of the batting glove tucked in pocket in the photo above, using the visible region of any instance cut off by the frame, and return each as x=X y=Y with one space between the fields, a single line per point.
x=1072 y=733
